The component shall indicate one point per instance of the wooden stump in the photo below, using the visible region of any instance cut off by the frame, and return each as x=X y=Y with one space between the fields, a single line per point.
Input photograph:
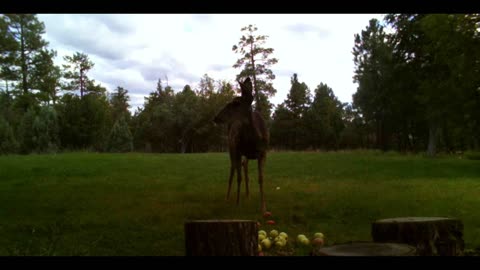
x=221 y=238
x=430 y=235
x=367 y=249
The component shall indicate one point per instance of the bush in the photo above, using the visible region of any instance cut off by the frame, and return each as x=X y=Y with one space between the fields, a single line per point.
x=46 y=130
x=120 y=139
x=8 y=143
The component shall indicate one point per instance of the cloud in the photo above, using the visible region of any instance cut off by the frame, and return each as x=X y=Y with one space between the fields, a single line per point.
x=283 y=72
x=87 y=44
x=136 y=100
x=125 y=63
x=219 y=67
x=114 y=23
x=302 y=28
x=154 y=73
x=100 y=35
x=203 y=18
x=166 y=65
x=131 y=79
x=135 y=50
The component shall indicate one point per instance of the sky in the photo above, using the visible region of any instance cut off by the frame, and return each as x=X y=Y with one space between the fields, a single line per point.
x=135 y=50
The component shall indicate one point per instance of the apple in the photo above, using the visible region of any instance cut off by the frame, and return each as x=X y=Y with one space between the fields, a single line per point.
x=273 y=233
x=259 y=248
x=267 y=214
x=284 y=235
x=318 y=235
x=317 y=242
x=305 y=241
x=280 y=243
x=262 y=232
x=300 y=237
x=261 y=237
x=266 y=243
x=260 y=254
x=271 y=222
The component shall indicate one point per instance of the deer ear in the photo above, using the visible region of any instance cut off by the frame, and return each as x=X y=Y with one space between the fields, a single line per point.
x=246 y=87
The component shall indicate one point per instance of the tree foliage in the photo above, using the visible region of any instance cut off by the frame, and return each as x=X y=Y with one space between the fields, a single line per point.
x=418 y=90
x=255 y=61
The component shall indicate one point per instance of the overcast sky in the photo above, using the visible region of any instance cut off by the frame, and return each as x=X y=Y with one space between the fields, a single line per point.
x=134 y=50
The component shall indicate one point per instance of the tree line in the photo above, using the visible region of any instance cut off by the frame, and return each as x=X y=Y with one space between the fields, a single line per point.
x=418 y=90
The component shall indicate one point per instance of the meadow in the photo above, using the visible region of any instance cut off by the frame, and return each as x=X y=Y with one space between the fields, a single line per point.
x=136 y=204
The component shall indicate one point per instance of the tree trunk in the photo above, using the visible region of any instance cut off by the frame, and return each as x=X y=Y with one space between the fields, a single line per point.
x=221 y=238
x=252 y=58
x=366 y=249
x=379 y=135
x=430 y=235
x=23 y=58
x=81 y=83
x=432 y=139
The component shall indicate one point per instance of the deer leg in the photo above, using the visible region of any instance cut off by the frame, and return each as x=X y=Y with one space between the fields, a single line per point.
x=261 y=165
x=230 y=179
x=245 y=172
x=238 y=165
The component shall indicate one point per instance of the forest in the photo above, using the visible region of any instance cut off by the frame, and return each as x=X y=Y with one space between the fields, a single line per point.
x=418 y=91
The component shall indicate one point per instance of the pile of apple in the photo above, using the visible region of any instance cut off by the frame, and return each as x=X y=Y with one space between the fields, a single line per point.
x=265 y=241
x=279 y=240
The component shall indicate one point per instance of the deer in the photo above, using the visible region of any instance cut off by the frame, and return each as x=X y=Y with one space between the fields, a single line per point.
x=248 y=137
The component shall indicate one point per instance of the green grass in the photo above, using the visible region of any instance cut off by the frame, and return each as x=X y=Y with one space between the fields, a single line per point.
x=136 y=204
x=472 y=155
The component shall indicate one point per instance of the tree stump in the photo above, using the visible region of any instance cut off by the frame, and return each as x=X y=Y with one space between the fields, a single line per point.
x=367 y=249
x=221 y=238
x=431 y=236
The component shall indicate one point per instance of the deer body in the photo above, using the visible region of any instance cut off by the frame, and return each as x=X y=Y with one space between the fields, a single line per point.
x=247 y=137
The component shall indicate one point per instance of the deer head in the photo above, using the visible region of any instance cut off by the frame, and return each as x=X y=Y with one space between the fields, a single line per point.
x=239 y=108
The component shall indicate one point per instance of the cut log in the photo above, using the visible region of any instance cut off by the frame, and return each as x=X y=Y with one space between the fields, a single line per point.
x=221 y=238
x=432 y=236
x=367 y=249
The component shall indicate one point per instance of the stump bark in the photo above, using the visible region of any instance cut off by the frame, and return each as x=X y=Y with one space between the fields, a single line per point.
x=432 y=236
x=367 y=249
x=221 y=238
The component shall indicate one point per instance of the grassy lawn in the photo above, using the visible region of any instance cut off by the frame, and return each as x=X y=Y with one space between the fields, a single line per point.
x=136 y=204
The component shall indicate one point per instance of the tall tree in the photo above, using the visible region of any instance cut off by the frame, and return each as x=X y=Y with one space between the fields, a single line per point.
x=186 y=117
x=297 y=102
x=324 y=119
x=76 y=71
x=206 y=86
x=255 y=61
x=354 y=135
x=8 y=49
x=298 y=99
x=46 y=76
x=119 y=104
x=441 y=50
x=283 y=126
x=373 y=73
x=27 y=31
